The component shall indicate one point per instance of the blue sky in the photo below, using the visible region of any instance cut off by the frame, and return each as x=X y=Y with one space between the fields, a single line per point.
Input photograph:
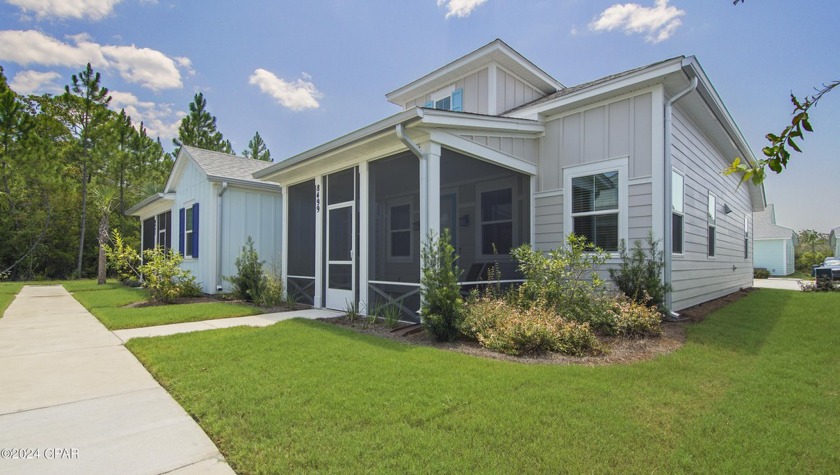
x=303 y=73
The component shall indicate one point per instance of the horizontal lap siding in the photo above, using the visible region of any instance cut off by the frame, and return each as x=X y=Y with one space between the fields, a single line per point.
x=548 y=224
x=639 y=210
x=697 y=277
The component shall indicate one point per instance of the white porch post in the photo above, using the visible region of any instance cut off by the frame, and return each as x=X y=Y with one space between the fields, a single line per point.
x=319 y=238
x=284 y=237
x=432 y=150
x=364 y=208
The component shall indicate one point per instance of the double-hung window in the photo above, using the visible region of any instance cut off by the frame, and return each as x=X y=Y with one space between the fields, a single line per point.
x=595 y=202
x=677 y=212
x=447 y=100
x=496 y=221
x=163 y=223
x=712 y=224
x=188 y=231
x=399 y=242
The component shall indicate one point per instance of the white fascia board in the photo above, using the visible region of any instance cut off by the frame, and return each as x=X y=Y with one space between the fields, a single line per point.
x=152 y=205
x=460 y=120
x=343 y=141
x=178 y=168
x=480 y=152
x=645 y=75
x=266 y=186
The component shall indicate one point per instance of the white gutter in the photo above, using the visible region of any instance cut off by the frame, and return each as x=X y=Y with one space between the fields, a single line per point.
x=667 y=238
x=219 y=236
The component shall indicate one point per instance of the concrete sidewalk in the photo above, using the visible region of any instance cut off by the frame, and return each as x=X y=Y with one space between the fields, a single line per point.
x=252 y=321
x=74 y=400
x=777 y=283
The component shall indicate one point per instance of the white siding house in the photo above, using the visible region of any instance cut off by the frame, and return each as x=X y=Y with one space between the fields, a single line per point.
x=774 y=245
x=210 y=205
x=498 y=152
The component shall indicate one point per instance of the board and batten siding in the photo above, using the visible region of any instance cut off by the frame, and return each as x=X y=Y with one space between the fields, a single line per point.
x=193 y=187
x=475 y=97
x=617 y=129
x=512 y=92
x=696 y=277
x=258 y=214
x=524 y=149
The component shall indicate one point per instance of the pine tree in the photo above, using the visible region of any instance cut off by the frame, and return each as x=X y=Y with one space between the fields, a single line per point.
x=198 y=129
x=257 y=149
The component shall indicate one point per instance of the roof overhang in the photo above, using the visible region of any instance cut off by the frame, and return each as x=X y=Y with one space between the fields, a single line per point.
x=496 y=51
x=154 y=204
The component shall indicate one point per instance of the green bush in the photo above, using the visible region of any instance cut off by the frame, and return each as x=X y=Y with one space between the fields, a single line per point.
x=566 y=281
x=822 y=284
x=635 y=319
x=123 y=258
x=163 y=277
x=443 y=307
x=807 y=259
x=249 y=273
x=500 y=326
x=271 y=292
x=761 y=273
x=639 y=276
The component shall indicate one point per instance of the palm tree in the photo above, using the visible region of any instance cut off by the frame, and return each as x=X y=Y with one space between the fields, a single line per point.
x=104 y=198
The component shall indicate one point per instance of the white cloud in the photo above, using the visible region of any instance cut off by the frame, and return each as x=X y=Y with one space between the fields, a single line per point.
x=297 y=95
x=35 y=82
x=459 y=8
x=147 y=67
x=93 y=9
x=160 y=120
x=658 y=23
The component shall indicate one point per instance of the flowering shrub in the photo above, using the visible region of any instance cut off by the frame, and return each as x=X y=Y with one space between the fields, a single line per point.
x=634 y=319
x=500 y=326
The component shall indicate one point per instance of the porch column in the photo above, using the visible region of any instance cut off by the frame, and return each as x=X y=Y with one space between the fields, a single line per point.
x=319 y=244
x=284 y=237
x=364 y=235
x=432 y=150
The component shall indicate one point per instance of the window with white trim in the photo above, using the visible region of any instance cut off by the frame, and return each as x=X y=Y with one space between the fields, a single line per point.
x=595 y=209
x=746 y=236
x=447 y=99
x=496 y=221
x=712 y=224
x=677 y=212
x=188 y=232
x=399 y=230
x=163 y=223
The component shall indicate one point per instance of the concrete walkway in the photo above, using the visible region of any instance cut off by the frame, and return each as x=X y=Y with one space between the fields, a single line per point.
x=75 y=398
x=777 y=283
x=252 y=321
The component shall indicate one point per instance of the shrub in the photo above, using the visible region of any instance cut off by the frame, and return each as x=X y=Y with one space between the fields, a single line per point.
x=271 y=292
x=500 y=326
x=443 y=307
x=822 y=284
x=163 y=277
x=639 y=276
x=634 y=319
x=249 y=273
x=761 y=273
x=123 y=258
x=566 y=281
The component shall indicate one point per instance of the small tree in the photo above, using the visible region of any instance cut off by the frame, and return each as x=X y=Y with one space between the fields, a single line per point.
x=443 y=307
x=164 y=278
x=249 y=273
x=257 y=149
x=639 y=275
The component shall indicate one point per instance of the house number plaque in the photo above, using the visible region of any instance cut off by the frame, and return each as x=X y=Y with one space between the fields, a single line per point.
x=317 y=198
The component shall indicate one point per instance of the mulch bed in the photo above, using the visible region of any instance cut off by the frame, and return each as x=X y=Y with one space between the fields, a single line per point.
x=204 y=299
x=617 y=350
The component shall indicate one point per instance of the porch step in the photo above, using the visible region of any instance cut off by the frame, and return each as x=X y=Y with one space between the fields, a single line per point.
x=407 y=329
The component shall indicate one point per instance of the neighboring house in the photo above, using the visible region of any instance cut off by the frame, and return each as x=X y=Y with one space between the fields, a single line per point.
x=773 y=244
x=834 y=241
x=210 y=205
x=497 y=151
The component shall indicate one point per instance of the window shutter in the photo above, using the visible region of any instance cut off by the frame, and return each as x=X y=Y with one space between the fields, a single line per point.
x=457 y=100
x=430 y=105
x=181 y=228
x=195 y=231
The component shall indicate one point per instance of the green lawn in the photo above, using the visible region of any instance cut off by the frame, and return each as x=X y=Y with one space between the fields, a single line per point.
x=755 y=389
x=107 y=302
x=801 y=275
x=8 y=290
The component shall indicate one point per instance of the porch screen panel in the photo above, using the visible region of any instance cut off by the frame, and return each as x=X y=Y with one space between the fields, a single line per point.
x=149 y=233
x=301 y=236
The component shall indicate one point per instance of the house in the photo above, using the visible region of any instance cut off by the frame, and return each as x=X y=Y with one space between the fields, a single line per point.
x=210 y=204
x=773 y=244
x=834 y=241
x=497 y=151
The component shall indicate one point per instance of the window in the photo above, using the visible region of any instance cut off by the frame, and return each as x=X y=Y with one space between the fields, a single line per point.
x=497 y=221
x=447 y=100
x=677 y=211
x=163 y=223
x=746 y=236
x=400 y=231
x=188 y=231
x=712 y=221
x=595 y=210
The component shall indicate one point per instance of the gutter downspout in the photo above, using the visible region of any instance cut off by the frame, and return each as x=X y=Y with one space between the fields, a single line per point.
x=669 y=231
x=669 y=244
x=424 y=189
x=219 y=236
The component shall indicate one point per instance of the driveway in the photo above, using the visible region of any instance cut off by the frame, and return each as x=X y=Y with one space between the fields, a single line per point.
x=74 y=400
x=777 y=283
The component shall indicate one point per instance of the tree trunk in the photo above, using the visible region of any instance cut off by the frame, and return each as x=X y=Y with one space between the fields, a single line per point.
x=84 y=221
x=102 y=267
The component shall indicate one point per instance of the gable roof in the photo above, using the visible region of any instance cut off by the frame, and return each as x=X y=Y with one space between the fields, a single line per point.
x=765 y=227
x=219 y=167
x=496 y=51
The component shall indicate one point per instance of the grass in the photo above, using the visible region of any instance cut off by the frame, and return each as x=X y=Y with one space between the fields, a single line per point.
x=756 y=388
x=800 y=275
x=8 y=290
x=107 y=303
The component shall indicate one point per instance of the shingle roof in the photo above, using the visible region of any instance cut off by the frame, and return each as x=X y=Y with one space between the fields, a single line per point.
x=224 y=166
x=586 y=85
x=765 y=227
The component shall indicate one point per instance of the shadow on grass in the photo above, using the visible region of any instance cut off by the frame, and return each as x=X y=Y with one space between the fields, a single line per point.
x=743 y=326
x=354 y=336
